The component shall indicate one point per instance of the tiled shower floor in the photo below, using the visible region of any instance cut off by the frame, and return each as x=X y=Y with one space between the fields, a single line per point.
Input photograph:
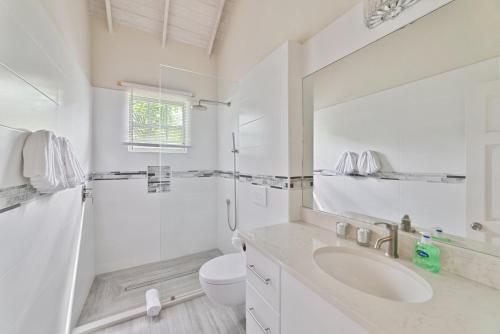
x=122 y=290
x=197 y=316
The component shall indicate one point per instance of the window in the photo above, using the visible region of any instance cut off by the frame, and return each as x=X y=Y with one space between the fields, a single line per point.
x=158 y=125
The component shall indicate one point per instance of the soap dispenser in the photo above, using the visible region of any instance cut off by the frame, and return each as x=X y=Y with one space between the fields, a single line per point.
x=426 y=255
x=406 y=224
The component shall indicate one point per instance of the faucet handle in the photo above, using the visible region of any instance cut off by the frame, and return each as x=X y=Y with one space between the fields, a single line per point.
x=390 y=226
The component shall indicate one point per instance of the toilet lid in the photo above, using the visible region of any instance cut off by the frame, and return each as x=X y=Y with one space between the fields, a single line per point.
x=225 y=269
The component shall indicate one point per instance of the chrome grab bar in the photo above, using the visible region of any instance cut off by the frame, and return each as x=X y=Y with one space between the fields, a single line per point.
x=263 y=328
x=266 y=281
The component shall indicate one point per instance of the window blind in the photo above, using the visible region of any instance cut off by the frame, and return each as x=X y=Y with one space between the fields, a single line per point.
x=158 y=123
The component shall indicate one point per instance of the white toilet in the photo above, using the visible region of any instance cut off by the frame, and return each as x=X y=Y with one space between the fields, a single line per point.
x=223 y=279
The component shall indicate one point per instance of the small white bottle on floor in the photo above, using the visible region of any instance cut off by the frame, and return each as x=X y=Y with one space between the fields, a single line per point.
x=153 y=305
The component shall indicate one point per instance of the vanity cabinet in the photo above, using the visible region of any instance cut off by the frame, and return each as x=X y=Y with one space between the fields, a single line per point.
x=278 y=303
x=262 y=294
x=303 y=311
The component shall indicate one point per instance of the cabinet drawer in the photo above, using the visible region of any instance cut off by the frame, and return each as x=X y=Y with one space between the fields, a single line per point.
x=261 y=318
x=264 y=275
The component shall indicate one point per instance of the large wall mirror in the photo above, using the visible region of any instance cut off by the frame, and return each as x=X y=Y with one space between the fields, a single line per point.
x=410 y=125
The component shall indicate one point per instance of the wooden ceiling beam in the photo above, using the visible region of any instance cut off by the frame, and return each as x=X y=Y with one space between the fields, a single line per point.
x=218 y=18
x=109 y=17
x=165 y=24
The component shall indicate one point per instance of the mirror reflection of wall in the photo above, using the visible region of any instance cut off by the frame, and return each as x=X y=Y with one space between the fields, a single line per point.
x=422 y=99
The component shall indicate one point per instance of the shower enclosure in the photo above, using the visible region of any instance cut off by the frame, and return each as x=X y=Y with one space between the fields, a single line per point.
x=156 y=207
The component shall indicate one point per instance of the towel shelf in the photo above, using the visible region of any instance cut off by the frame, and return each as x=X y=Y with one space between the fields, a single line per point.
x=395 y=176
x=13 y=197
x=12 y=207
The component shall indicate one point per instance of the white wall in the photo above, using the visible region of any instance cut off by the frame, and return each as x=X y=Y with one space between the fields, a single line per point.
x=72 y=20
x=132 y=226
x=415 y=128
x=262 y=113
x=261 y=102
x=38 y=240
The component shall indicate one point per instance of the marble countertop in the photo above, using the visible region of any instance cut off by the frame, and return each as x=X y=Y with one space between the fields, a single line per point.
x=458 y=305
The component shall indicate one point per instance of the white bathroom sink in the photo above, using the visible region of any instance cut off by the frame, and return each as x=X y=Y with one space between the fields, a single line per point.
x=374 y=274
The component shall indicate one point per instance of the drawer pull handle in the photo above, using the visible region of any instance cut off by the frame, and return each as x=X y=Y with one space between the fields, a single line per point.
x=263 y=328
x=266 y=281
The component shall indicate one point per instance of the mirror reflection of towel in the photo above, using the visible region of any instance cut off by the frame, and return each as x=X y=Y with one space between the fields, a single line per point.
x=347 y=163
x=368 y=163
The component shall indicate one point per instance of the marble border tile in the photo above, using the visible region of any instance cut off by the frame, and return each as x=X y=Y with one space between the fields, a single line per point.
x=13 y=197
x=159 y=179
x=193 y=173
x=277 y=182
x=118 y=175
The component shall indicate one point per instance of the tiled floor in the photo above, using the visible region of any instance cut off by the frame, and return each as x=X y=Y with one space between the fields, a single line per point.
x=198 y=316
x=122 y=290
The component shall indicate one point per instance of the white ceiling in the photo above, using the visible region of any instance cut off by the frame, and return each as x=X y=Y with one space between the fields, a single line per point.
x=195 y=22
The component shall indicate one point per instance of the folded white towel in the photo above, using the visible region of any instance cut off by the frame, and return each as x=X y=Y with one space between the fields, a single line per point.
x=42 y=162
x=72 y=168
x=369 y=163
x=347 y=163
x=37 y=152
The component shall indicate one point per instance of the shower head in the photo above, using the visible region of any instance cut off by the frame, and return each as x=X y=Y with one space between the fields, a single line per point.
x=198 y=107
x=201 y=107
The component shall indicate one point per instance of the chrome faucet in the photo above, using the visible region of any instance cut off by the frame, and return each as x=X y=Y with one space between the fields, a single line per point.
x=392 y=239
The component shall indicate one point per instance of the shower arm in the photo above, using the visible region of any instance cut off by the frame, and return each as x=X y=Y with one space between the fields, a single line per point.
x=214 y=102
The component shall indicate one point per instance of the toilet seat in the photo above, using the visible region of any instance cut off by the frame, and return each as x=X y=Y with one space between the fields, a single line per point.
x=225 y=269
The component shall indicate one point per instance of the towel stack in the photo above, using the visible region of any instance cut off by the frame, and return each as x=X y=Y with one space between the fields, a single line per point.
x=73 y=170
x=367 y=164
x=347 y=163
x=50 y=163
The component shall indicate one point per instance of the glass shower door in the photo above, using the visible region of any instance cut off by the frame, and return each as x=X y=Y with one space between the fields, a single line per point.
x=184 y=181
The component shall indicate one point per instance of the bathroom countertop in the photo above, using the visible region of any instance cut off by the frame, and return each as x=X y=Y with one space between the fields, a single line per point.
x=458 y=305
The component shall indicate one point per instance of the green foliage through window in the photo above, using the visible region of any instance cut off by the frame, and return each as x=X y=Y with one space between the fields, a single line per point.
x=154 y=121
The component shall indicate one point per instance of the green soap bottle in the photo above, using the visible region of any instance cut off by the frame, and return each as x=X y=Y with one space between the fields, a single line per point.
x=426 y=255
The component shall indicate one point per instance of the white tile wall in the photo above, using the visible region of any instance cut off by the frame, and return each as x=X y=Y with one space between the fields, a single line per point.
x=224 y=191
x=253 y=215
x=267 y=124
x=188 y=217
x=38 y=250
x=250 y=214
x=262 y=106
x=38 y=240
x=126 y=224
x=132 y=226
x=226 y=124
